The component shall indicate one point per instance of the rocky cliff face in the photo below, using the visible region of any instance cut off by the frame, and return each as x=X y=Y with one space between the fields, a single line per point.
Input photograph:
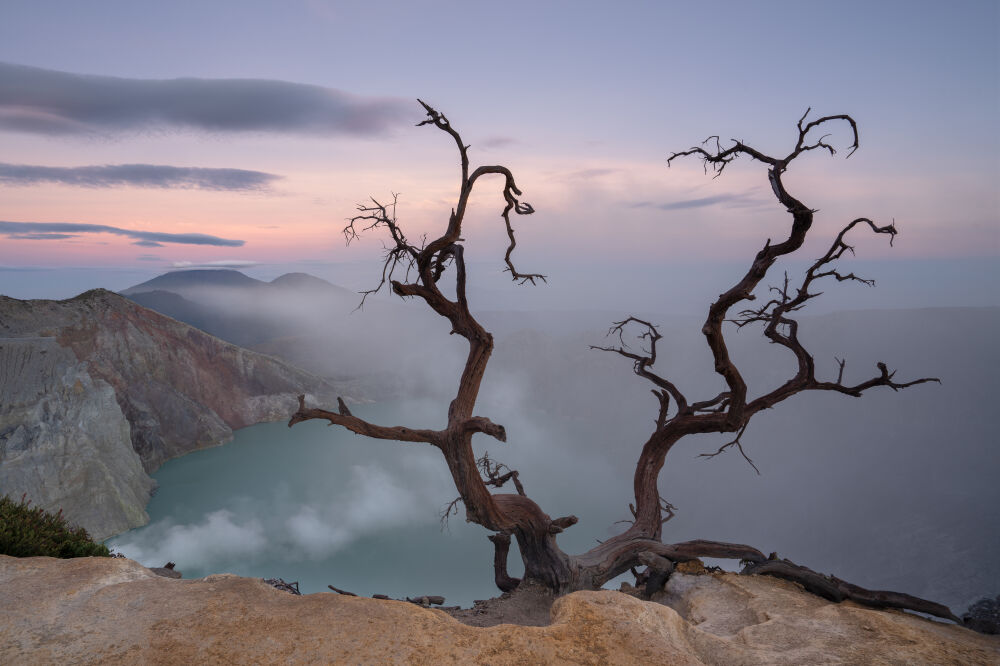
x=114 y=611
x=64 y=441
x=96 y=392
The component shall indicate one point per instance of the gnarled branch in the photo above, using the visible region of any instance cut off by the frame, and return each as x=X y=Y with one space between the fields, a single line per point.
x=494 y=475
x=362 y=427
x=644 y=361
x=735 y=442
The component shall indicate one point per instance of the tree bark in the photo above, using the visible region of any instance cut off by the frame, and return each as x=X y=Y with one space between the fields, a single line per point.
x=501 y=545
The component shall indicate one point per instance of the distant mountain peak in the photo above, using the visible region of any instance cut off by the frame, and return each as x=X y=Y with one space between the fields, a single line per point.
x=192 y=278
x=300 y=280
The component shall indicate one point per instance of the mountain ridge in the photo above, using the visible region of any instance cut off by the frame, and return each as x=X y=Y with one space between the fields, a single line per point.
x=228 y=304
x=228 y=278
x=220 y=277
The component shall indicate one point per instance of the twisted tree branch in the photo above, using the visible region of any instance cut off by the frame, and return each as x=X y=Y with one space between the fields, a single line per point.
x=362 y=427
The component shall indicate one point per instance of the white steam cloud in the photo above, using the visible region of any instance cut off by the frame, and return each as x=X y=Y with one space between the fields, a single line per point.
x=372 y=501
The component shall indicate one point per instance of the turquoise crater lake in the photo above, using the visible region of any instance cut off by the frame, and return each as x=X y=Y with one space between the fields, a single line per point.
x=318 y=505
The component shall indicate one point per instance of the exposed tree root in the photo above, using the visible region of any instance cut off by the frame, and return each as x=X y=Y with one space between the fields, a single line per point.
x=660 y=560
x=835 y=589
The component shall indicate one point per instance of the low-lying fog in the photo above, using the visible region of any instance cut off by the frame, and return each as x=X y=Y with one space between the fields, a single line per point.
x=896 y=490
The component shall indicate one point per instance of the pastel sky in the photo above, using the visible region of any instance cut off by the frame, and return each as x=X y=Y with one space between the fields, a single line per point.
x=141 y=136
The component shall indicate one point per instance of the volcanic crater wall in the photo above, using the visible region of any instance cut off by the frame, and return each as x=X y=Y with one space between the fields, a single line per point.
x=96 y=392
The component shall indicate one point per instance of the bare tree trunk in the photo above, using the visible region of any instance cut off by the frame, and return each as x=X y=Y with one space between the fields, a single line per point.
x=535 y=532
x=501 y=544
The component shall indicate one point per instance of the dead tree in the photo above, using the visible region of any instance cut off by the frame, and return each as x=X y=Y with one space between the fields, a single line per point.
x=515 y=515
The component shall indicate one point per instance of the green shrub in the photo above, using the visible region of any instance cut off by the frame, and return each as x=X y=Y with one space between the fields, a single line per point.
x=30 y=532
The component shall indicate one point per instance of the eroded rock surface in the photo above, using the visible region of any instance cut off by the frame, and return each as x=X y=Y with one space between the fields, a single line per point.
x=113 y=611
x=96 y=392
x=64 y=442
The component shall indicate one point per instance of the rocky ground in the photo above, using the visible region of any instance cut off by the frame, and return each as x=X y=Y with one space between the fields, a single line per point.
x=114 y=611
x=528 y=606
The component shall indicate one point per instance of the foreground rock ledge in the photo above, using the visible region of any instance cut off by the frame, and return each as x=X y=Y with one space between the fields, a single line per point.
x=110 y=611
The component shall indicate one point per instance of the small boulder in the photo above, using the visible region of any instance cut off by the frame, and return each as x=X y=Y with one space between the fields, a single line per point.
x=693 y=567
x=167 y=571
